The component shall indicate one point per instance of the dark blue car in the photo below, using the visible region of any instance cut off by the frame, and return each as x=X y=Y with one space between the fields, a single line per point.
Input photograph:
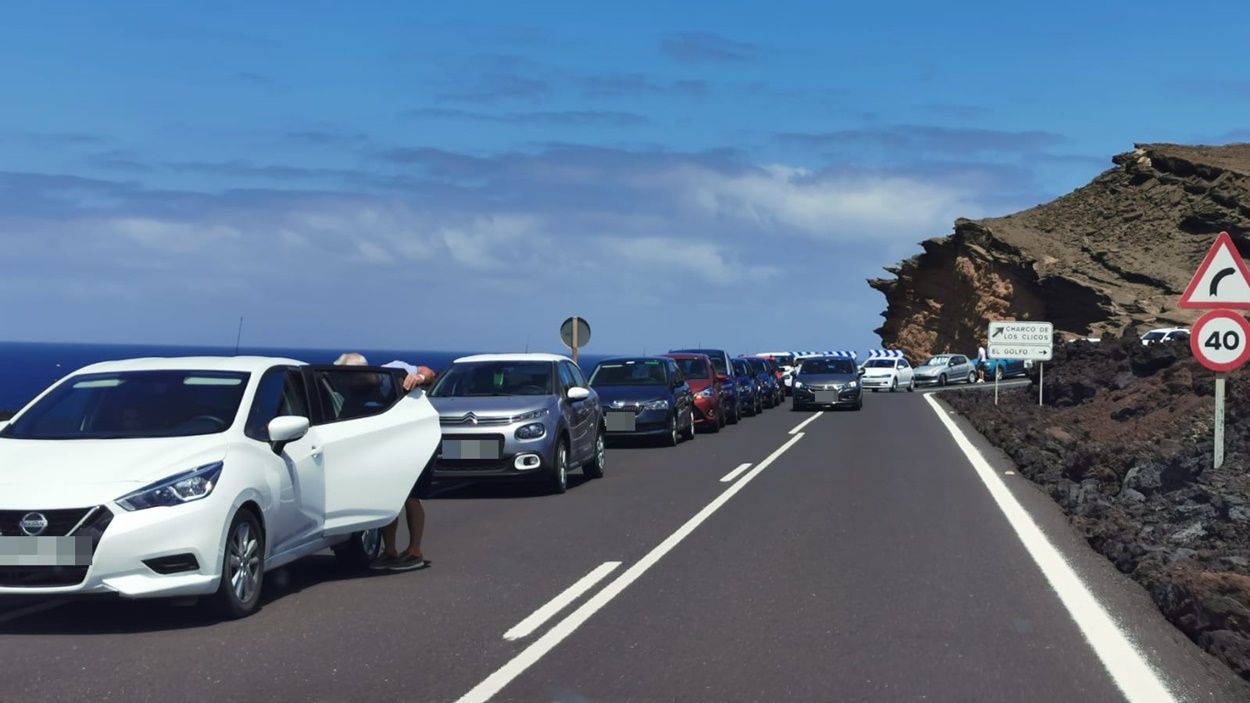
x=750 y=395
x=644 y=396
x=766 y=379
x=730 y=400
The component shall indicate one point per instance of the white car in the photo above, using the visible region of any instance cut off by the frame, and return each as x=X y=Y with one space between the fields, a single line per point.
x=194 y=476
x=887 y=373
x=1165 y=334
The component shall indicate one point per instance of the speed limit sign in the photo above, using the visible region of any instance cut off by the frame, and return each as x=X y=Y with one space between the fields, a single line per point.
x=1221 y=340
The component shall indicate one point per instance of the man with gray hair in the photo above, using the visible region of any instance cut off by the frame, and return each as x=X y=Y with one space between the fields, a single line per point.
x=412 y=558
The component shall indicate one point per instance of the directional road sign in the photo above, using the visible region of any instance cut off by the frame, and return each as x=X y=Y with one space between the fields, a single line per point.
x=1016 y=339
x=1219 y=340
x=1222 y=280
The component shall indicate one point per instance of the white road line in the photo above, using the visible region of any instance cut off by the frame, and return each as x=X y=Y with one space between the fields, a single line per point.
x=530 y=655
x=1133 y=675
x=803 y=424
x=526 y=627
x=734 y=474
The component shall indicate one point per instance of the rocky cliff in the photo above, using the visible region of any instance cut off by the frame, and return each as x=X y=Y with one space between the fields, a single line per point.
x=1112 y=256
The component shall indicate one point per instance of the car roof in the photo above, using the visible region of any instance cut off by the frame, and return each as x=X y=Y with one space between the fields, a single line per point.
x=687 y=355
x=512 y=357
x=1168 y=329
x=618 y=359
x=705 y=350
x=244 y=364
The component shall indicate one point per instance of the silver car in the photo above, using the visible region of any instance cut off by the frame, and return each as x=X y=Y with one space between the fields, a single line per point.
x=944 y=369
x=518 y=416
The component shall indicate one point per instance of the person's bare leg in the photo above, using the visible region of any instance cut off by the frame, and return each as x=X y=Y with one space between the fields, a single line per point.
x=390 y=536
x=416 y=525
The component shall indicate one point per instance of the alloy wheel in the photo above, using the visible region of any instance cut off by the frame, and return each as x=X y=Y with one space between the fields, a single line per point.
x=244 y=562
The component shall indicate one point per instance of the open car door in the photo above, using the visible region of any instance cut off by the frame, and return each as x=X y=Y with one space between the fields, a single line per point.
x=376 y=441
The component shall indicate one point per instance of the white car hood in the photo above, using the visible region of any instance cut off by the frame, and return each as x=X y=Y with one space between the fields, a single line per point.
x=50 y=474
x=878 y=372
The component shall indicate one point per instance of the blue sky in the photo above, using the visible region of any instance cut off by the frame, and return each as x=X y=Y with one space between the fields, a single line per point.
x=466 y=175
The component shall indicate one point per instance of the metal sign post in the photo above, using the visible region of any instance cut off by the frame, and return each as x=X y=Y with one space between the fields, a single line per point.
x=1219 y=421
x=1041 y=380
x=575 y=339
x=996 y=375
x=575 y=333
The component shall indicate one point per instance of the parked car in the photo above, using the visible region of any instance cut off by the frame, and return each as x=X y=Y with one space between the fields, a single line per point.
x=785 y=365
x=730 y=400
x=195 y=476
x=1165 y=334
x=750 y=395
x=701 y=376
x=888 y=373
x=999 y=369
x=827 y=381
x=645 y=396
x=518 y=417
x=766 y=379
x=944 y=369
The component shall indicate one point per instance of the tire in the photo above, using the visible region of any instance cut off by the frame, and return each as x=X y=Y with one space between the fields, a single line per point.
x=911 y=386
x=689 y=435
x=720 y=417
x=673 y=437
x=714 y=427
x=942 y=380
x=558 y=481
x=972 y=377
x=242 y=568
x=859 y=405
x=359 y=551
x=736 y=416
x=594 y=467
x=894 y=385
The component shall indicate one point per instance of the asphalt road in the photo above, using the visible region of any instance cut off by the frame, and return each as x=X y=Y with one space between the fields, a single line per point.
x=861 y=558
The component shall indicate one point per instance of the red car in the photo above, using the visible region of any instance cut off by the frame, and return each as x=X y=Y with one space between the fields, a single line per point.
x=701 y=375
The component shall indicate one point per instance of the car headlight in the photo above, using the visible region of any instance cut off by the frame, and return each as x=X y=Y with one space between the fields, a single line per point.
x=532 y=415
x=531 y=431
x=705 y=393
x=853 y=385
x=182 y=488
x=798 y=384
x=660 y=404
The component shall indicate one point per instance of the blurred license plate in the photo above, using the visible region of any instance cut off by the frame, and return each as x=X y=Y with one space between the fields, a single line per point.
x=622 y=422
x=826 y=396
x=45 y=551
x=470 y=449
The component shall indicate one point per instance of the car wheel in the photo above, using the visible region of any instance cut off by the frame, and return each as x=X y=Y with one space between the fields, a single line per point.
x=942 y=380
x=594 y=467
x=690 y=427
x=733 y=418
x=911 y=385
x=715 y=426
x=672 y=438
x=972 y=377
x=720 y=417
x=859 y=404
x=894 y=385
x=360 y=550
x=242 y=567
x=558 y=482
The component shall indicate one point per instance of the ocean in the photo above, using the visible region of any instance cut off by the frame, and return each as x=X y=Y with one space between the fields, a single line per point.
x=26 y=368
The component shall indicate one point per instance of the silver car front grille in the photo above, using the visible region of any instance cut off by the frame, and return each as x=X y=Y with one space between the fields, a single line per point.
x=471 y=420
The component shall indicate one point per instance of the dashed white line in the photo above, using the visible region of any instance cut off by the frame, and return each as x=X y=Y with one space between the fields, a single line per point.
x=734 y=474
x=798 y=428
x=1130 y=671
x=526 y=627
x=540 y=647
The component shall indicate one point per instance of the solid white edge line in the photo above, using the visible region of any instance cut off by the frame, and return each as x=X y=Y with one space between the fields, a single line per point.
x=540 y=647
x=1132 y=674
x=526 y=627
x=798 y=428
x=734 y=474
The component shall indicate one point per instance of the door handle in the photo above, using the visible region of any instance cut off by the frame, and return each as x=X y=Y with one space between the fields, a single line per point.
x=316 y=452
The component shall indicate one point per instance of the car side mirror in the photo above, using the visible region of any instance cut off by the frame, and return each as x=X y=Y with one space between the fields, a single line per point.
x=861 y=371
x=578 y=393
x=286 y=429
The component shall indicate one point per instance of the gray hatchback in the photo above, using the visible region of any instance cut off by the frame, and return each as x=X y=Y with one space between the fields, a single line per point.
x=517 y=416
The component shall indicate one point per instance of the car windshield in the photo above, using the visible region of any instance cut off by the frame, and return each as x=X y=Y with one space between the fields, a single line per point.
x=692 y=368
x=478 y=379
x=938 y=361
x=828 y=366
x=629 y=373
x=758 y=365
x=1154 y=336
x=879 y=364
x=134 y=404
x=718 y=358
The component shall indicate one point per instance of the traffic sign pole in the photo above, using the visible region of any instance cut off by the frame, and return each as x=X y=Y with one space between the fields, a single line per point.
x=575 y=339
x=1218 y=459
x=1041 y=380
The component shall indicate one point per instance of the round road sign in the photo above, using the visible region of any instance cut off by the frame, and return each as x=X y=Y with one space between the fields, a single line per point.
x=1221 y=340
x=583 y=332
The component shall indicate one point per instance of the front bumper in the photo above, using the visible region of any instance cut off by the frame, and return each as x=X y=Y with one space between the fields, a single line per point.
x=705 y=412
x=846 y=396
x=517 y=459
x=647 y=423
x=877 y=381
x=128 y=540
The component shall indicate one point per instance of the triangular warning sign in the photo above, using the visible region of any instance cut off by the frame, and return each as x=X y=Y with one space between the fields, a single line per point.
x=1222 y=281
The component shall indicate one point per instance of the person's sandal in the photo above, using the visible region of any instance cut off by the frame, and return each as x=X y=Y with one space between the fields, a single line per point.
x=408 y=562
x=383 y=562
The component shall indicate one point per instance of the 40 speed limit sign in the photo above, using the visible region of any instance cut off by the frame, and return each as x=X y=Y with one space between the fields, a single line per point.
x=1221 y=340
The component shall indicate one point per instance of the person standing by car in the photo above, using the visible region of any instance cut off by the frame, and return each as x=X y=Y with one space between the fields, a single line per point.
x=412 y=558
x=982 y=360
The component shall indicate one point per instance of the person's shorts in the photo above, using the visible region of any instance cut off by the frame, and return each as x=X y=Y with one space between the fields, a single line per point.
x=421 y=489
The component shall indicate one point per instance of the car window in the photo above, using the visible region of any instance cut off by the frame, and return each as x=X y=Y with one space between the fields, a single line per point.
x=480 y=379
x=957 y=360
x=1153 y=336
x=566 y=377
x=693 y=368
x=353 y=392
x=578 y=378
x=902 y=364
x=879 y=364
x=828 y=366
x=629 y=373
x=280 y=392
x=675 y=373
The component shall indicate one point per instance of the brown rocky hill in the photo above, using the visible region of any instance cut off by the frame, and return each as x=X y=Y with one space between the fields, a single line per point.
x=1112 y=256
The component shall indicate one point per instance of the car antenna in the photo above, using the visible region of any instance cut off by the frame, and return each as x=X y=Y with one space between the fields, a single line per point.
x=238 y=338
